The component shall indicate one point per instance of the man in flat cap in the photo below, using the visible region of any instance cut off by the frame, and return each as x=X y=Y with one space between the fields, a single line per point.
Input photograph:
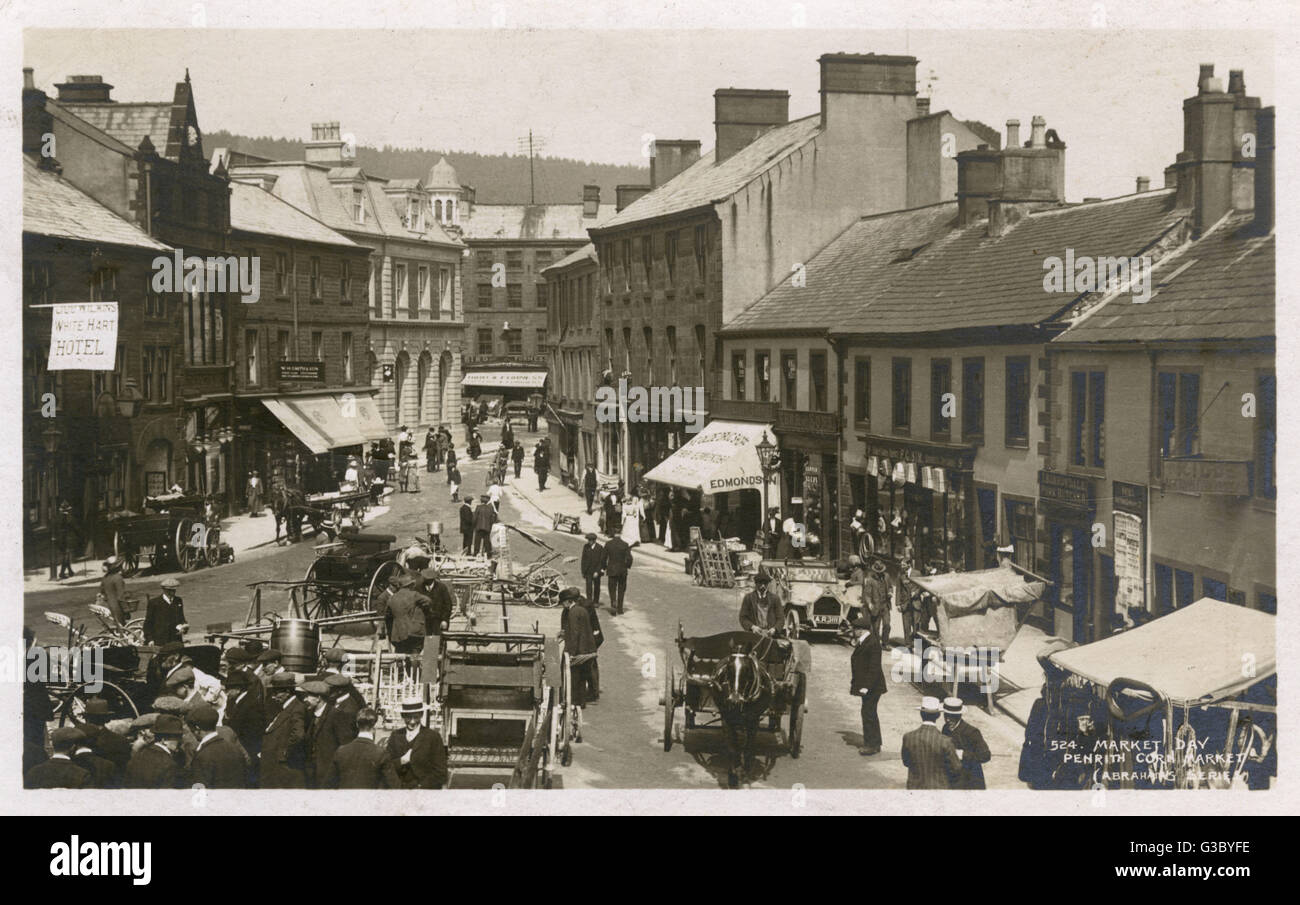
x=324 y=733
x=417 y=751
x=246 y=715
x=868 y=681
x=437 y=620
x=284 y=752
x=156 y=765
x=930 y=757
x=762 y=612
x=332 y=660
x=968 y=741
x=218 y=763
x=347 y=703
x=593 y=566
x=103 y=774
x=269 y=666
x=164 y=617
x=362 y=764
x=485 y=516
x=59 y=772
x=579 y=643
x=410 y=611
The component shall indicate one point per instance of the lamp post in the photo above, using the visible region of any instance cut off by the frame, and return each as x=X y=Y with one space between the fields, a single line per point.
x=50 y=437
x=769 y=461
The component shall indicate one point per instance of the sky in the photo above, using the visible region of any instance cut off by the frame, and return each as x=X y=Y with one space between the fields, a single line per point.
x=1114 y=96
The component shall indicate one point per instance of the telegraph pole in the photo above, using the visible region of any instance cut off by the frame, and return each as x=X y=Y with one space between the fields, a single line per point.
x=534 y=146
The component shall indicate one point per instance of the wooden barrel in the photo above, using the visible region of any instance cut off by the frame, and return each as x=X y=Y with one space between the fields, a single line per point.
x=298 y=641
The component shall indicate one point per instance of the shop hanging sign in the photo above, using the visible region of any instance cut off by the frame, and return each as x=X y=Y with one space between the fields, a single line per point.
x=1130 y=498
x=83 y=336
x=300 y=371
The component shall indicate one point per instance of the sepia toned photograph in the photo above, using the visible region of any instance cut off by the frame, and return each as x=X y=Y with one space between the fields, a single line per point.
x=648 y=411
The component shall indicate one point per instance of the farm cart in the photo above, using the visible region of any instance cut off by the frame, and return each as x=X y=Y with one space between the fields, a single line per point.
x=172 y=531
x=349 y=575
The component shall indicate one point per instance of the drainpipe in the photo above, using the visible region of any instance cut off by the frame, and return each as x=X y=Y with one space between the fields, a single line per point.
x=840 y=445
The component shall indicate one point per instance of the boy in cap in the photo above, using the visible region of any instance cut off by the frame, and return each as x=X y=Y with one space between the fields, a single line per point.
x=217 y=763
x=868 y=682
x=930 y=757
x=418 y=751
x=164 y=618
x=284 y=753
x=59 y=772
x=362 y=764
x=969 y=742
x=155 y=766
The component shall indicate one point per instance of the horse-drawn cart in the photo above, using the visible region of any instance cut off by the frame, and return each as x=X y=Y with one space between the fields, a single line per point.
x=172 y=530
x=349 y=575
x=734 y=680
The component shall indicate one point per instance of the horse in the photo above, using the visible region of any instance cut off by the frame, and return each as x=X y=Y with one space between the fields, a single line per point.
x=743 y=692
x=289 y=506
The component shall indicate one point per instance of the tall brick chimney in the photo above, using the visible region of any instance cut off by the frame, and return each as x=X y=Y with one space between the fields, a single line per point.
x=326 y=146
x=670 y=157
x=1206 y=162
x=85 y=89
x=626 y=194
x=590 y=201
x=1264 y=169
x=742 y=114
x=1244 y=113
x=846 y=76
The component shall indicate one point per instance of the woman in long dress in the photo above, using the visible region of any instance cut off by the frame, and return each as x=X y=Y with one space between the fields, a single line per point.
x=633 y=513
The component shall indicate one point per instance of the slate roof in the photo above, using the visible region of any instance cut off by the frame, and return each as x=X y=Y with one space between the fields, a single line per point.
x=307 y=187
x=853 y=269
x=128 y=122
x=703 y=183
x=969 y=280
x=530 y=221
x=585 y=253
x=1223 y=286
x=257 y=211
x=54 y=207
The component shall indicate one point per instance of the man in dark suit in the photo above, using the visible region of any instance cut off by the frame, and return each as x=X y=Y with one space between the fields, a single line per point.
x=59 y=772
x=593 y=564
x=541 y=464
x=417 y=751
x=284 y=752
x=575 y=623
x=324 y=732
x=103 y=774
x=361 y=764
x=875 y=600
x=618 y=561
x=930 y=757
x=868 y=682
x=246 y=715
x=589 y=485
x=104 y=742
x=164 y=618
x=157 y=766
x=347 y=704
x=466 y=527
x=969 y=742
x=217 y=763
x=410 y=611
x=485 y=516
x=762 y=612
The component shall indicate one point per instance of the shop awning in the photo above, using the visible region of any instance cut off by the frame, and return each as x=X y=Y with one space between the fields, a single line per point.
x=329 y=420
x=719 y=459
x=1194 y=654
x=523 y=379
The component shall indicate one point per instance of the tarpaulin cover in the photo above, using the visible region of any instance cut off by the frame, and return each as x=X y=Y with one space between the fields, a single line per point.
x=978 y=609
x=1194 y=654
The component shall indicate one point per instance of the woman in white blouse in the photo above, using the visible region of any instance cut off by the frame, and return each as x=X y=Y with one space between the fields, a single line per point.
x=633 y=513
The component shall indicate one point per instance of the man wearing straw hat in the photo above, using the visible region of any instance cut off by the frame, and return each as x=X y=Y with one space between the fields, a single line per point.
x=969 y=742
x=417 y=750
x=930 y=756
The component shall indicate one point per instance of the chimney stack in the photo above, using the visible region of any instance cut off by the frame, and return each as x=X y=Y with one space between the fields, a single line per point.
x=1205 y=165
x=85 y=89
x=670 y=157
x=1245 y=110
x=37 y=120
x=1264 y=142
x=1038 y=132
x=1003 y=184
x=922 y=106
x=325 y=147
x=626 y=194
x=743 y=114
x=846 y=77
x=1013 y=133
x=1143 y=184
x=590 y=201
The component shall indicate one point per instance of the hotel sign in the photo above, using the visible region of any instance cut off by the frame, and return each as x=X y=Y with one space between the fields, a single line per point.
x=1215 y=476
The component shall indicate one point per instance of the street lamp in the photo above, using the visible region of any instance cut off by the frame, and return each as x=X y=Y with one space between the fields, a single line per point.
x=50 y=437
x=131 y=400
x=769 y=460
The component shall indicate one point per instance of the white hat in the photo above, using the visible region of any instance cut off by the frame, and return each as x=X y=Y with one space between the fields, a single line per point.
x=788 y=526
x=411 y=706
x=930 y=705
x=953 y=706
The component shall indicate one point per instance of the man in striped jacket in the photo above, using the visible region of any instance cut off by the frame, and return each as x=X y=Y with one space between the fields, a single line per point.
x=930 y=756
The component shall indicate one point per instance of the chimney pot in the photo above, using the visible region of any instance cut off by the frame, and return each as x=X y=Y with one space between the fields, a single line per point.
x=1013 y=133
x=29 y=78
x=922 y=106
x=626 y=194
x=85 y=89
x=1236 y=81
x=1203 y=80
x=590 y=201
x=1038 y=132
x=1143 y=184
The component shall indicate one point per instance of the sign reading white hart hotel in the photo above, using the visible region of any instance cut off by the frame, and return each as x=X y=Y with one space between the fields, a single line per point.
x=83 y=336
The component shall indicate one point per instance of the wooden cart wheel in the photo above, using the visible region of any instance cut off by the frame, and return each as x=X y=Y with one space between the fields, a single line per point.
x=669 y=707
x=335 y=521
x=73 y=707
x=381 y=583
x=310 y=575
x=792 y=624
x=543 y=588
x=188 y=558
x=796 y=715
x=697 y=572
x=181 y=541
x=212 y=548
x=125 y=552
x=130 y=564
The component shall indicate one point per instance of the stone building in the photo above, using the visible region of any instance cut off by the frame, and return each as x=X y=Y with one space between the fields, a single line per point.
x=573 y=346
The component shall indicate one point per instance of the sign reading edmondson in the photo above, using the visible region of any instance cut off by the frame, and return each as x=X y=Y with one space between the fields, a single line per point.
x=83 y=336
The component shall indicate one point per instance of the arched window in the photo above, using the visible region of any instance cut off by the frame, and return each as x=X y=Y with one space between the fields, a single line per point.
x=437 y=211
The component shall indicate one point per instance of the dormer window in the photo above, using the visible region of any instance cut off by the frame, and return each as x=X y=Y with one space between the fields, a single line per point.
x=358 y=206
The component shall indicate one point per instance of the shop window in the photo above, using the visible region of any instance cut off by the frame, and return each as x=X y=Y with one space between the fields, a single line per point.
x=1178 y=400
x=902 y=395
x=1088 y=418
x=862 y=391
x=940 y=386
x=817 y=371
x=790 y=380
x=1266 y=436
x=1017 y=409
x=972 y=399
x=738 y=376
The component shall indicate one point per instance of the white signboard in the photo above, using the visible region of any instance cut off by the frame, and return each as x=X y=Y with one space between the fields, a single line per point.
x=83 y=336
x=1130 y=588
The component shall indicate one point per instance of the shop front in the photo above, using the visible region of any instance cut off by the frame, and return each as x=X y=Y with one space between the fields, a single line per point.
x=920 y=503
x=1069 y=503
x=511 y=379
x=306 y=439
x=808 y=444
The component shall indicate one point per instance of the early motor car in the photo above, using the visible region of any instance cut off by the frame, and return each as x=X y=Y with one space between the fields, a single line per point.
x=816 y=601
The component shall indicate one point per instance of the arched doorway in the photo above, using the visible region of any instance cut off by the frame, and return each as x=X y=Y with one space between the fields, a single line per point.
x=400 y=386
x=444 y=386
x=422 y=395
x=157 y=467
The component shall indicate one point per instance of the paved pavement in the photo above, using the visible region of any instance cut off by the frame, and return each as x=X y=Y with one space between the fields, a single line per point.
x=622 y=745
